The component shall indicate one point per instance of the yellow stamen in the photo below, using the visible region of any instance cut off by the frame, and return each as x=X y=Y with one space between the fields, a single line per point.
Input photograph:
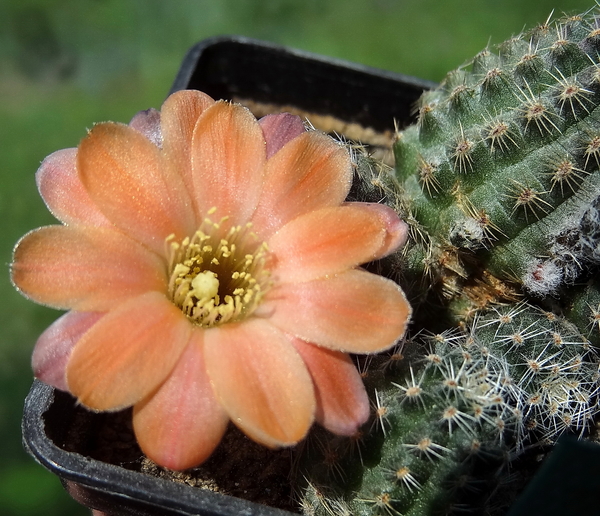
x=217 y=278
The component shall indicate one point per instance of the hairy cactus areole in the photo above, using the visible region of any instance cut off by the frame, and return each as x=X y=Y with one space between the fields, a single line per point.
x=499 y=181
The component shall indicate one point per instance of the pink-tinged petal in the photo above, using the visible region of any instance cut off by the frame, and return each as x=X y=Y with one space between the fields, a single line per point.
x=179 y=114
x=136 y=189
x=261 y=381
x=128 y=353
x=312 y=171
x=342 y=401
x=54 y=346
x=59 y=185
x=280 y=129
x=228 y=154
x=147 y=122
x=395 y=228
x=84 y=269
x=181 y=424
x=354 y=312
x=326 y=241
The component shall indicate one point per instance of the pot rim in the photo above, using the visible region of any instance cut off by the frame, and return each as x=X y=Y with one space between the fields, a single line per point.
x=186 y=71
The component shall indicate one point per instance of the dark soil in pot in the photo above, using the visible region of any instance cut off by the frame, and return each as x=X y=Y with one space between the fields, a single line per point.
x=239 y=467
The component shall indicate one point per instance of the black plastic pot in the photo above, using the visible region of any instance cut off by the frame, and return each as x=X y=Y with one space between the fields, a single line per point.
x=238 y=68
x=345 y=96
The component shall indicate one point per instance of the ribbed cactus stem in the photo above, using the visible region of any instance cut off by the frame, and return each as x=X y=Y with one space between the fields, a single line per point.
x=502 y=166
x=473 y=401
x=499 y=181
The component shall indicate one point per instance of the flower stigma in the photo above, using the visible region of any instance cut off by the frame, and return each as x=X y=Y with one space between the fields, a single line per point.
x=218 y=275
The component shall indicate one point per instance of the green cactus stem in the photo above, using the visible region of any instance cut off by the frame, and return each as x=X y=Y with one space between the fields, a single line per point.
x=499 y=177
x=453 y=422
x=499 y=181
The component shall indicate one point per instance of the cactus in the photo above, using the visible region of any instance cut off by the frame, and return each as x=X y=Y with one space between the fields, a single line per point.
x=500 y=173
x=499 y=181
x=470 y=404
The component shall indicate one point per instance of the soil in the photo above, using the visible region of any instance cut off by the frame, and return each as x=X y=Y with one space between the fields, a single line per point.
x=239 y=467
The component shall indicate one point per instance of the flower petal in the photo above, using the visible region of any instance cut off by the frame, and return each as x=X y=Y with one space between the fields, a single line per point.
x=261 y=381
x=342 y=401
x=312 y=171
x=280 y=129
x=326 y=241
x=128 y=353
x=228 y=154
x=85 y=269
x=355 y=312
x=54 y=346
x=396 y=230
x=59 y=185
x=181 y=424
x=147 y=122
x=136 y=189
x=179 y=114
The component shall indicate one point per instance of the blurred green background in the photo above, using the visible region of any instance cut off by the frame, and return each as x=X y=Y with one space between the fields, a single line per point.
x=65 y=64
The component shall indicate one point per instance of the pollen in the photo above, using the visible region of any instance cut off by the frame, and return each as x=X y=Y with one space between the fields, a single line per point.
x=218 y=275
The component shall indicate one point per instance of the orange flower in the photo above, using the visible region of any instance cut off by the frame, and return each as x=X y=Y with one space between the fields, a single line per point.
x=209 y=266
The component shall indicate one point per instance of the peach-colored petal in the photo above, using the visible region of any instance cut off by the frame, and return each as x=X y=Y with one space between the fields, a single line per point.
x=312 y=171
x=136 y=189
x=54 y=346
x=326 y=241
x=179 y=114
x=228 y=154
x=147 y=122
x=59 y=185
x=261 y=381
x=342 y=402
x=279 y=129
x=396 y=230
x=181 y=424
x=128 y=353
x=85 y=269
x=355 y=312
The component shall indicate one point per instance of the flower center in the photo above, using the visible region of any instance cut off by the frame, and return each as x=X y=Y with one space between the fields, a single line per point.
x=218 y=275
